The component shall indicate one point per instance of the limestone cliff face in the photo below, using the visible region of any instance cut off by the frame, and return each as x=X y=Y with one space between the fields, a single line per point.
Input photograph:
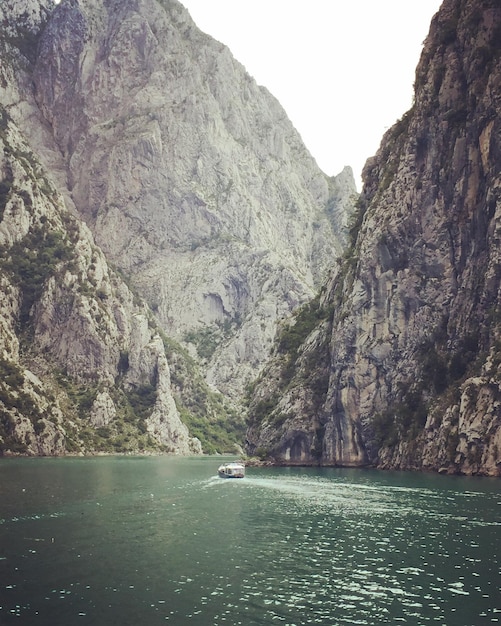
x=407 y=337
x=124 y=117
x=76 y=348
x=82 y=368
x=190 y=176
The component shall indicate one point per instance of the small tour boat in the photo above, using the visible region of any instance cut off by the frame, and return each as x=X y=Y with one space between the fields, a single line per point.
x=231 y=470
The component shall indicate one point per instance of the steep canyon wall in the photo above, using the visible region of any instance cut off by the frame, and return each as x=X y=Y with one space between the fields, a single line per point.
x=406 y=346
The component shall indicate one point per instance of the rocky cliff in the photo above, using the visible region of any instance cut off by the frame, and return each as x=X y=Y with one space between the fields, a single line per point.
x=135 y=148
x=83 y=369
x=190 y=176
x=397 y=364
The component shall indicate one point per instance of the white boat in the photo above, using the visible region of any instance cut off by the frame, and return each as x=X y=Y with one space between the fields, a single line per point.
x=231 y=470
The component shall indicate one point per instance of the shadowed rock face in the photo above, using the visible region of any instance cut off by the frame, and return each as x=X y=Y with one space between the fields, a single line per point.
x=408 y=350
x=191 y=177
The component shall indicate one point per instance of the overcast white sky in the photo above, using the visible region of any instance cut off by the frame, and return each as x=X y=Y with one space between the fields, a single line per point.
x=342 y=69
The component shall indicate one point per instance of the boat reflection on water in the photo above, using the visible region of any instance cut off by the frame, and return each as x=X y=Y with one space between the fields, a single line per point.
x=231 y=470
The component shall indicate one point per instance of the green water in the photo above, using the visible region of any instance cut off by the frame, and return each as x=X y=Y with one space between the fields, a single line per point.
x=147 y=541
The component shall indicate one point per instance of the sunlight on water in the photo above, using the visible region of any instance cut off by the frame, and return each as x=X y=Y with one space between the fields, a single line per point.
x=151 y=541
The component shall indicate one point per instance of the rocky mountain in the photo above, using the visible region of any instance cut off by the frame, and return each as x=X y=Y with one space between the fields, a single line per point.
x=190 y=176
x=151 y=195
x=397 y=363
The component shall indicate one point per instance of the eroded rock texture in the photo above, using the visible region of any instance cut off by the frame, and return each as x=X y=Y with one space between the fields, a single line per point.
x=407 y=347
x=189 y=174
x=150 y=191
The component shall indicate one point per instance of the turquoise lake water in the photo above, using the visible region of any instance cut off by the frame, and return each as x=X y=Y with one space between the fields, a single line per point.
x=162 y=540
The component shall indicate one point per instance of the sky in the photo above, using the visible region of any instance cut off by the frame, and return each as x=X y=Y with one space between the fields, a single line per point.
x=343 y=70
